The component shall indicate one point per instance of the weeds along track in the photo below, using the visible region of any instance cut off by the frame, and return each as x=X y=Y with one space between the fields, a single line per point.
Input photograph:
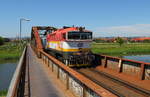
x=112 y=84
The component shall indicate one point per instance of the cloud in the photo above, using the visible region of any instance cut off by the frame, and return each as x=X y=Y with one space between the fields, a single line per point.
x=129 y=30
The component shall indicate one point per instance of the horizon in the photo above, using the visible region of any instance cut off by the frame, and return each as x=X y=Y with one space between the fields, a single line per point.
x=93 y=37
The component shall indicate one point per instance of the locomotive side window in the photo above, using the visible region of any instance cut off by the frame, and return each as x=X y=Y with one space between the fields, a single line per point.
x=80 y=35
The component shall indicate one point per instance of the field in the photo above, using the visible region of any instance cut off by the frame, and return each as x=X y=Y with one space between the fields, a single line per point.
x=10 y=51
x=126 y=49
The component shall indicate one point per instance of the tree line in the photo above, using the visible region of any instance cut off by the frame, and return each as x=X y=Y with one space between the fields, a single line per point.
x=2 y=40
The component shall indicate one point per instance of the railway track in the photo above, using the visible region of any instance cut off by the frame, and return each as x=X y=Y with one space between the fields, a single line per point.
x=112 y=84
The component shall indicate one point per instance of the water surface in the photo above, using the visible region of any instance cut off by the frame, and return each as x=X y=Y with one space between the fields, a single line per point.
x=6 y=72
x=145 y=58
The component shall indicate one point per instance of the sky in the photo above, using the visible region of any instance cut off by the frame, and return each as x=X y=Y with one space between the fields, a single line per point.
x=106 y=18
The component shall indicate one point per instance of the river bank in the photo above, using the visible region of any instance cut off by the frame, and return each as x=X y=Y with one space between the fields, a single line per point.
x=9 y=55
x=114 y=49
x=10 y=51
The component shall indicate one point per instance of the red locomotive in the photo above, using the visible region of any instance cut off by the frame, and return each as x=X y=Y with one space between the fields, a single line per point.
x=70 y=45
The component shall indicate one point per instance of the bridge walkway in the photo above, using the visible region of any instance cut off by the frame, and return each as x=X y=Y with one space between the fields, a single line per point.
x=38 y=83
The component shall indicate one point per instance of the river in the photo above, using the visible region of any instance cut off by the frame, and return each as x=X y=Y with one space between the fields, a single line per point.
x=145 y=58
x=6 y=72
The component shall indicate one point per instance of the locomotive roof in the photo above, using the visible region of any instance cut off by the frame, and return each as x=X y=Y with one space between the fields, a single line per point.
x=68 y=29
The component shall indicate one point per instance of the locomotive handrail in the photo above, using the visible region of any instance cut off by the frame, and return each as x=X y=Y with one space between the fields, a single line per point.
x=85 y=81
x=14 y=85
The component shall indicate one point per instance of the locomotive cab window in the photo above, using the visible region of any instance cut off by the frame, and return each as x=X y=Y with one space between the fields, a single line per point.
x=79 y=35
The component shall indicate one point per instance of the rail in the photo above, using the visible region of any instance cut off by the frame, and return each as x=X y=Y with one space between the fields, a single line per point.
x=16 y=87
x=75 y=82
x=138 y=68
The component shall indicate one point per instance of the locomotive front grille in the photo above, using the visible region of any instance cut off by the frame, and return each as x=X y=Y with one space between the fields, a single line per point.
x=80 y=60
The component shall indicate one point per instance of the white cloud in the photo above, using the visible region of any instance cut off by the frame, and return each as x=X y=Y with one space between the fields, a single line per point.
x=129 y=30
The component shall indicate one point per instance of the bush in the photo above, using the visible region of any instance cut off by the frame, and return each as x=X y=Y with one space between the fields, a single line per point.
x=1 y=41
x=6 y=40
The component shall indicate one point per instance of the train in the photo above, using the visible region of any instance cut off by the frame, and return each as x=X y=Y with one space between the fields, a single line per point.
x=70 y=45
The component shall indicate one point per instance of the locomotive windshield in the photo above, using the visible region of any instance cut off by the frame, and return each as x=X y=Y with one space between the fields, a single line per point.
x=79 y=35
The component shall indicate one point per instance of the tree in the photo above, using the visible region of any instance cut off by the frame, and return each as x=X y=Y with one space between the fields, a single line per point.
x=6 y=39
x=119 y=40
x=1 y=41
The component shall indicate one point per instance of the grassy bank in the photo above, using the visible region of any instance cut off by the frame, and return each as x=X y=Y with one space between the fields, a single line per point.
x=3 y=93
x=10 y=51
x=126 y=49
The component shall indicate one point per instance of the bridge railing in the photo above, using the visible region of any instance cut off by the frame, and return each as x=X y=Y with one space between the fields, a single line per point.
x=16 y=87
x=79 y=85
x=139 y=69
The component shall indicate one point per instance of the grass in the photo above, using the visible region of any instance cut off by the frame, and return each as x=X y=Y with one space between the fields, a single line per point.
x=10 y=51
x=3 y=93
x=126 y=49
